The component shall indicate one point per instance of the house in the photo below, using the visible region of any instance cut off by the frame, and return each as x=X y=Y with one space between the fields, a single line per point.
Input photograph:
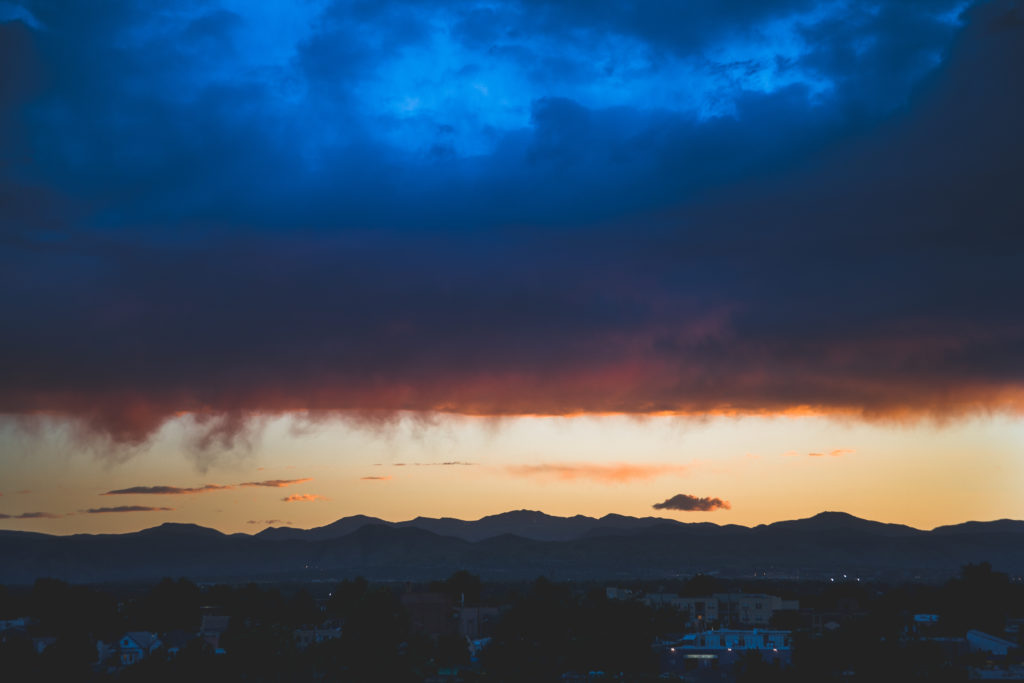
x=431 y=613
x=40 y=644
x=135 y=646
x=475 y=622
x=21 y=623
x=723 y=648
x=175 y=641
x=749 y=609
x=615 y=593
x=752 y=609
x=979 y=641
x=212 y=628
x=306 y=637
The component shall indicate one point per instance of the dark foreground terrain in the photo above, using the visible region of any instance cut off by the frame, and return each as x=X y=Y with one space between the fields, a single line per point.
x=465 y=629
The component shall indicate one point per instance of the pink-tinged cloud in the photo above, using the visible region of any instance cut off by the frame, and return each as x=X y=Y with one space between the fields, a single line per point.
x=177 y=490
x=600 y=472
x=303 y=498
x=686 y=503
x=166 y=490
x=374 y=478
x=277 y=483
x=127 y=508
x=835 y=453
x=32 y=515
x=24 y=491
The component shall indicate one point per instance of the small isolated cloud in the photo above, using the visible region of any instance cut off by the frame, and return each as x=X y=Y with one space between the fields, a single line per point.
x=449 y=463
x=688 y=503
x=374 y=478
x=165 y=490
x=126 y=508
x=835 y=452
x=277 y=483
x=602 y=472
x=303 y=498
x=268 y=522
x=32 y=515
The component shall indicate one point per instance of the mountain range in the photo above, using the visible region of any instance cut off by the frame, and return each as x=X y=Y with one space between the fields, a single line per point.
x=521 y=544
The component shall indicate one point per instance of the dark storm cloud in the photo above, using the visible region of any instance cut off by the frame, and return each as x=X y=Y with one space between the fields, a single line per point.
x=687 y=503
x=189 y=229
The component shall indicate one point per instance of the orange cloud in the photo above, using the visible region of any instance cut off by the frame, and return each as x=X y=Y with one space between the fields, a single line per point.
x=835 y=452
x=303 y=498
x=602 y=472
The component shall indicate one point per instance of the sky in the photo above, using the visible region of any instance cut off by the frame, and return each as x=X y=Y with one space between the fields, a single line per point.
x=282 y=262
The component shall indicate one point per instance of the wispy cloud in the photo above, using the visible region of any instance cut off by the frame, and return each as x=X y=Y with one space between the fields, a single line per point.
x=303 y=498
x=375 y=478
x=277 y=483
x=166 y=490
x=126 y=508
x=268 y=522
x=32 y=515
x=447 y=463
x=602 y=472
x=687 y=503
x=178 y=490
x=835 y=453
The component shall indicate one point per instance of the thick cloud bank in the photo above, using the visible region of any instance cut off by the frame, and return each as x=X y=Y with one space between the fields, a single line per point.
x=509 y=208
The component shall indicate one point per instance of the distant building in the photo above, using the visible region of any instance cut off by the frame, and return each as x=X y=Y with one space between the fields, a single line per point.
x=753 y=609
x=175 y=641
x=212 y=628
x=723 y=648
x=306 y=637
x=41 y=643
x=135 y=646
x=13 y=624
x=979 y=641
x=431 y=613
x=747 y=609
x=475 y=622
x=613 y=593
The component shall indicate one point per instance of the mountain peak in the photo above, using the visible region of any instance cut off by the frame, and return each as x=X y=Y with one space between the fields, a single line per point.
x=180 y=529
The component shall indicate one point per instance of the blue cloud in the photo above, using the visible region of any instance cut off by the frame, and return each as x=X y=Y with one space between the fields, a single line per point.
x=507 y=206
